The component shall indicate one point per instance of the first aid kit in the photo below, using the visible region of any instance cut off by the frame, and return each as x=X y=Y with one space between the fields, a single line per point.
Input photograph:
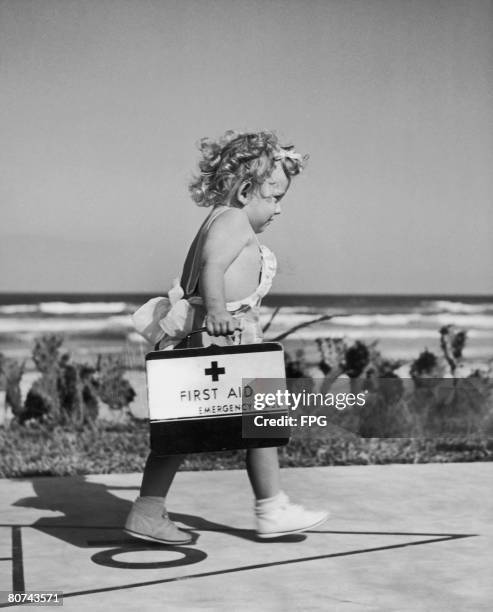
x=207 y=399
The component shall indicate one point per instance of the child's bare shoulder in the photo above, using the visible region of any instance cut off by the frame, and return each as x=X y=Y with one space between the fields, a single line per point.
x=233 y=223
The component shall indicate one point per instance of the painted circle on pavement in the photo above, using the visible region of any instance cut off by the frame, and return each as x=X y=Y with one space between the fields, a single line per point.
x=189 y=556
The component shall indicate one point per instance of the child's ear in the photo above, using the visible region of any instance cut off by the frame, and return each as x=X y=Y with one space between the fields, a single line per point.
x=244 y=192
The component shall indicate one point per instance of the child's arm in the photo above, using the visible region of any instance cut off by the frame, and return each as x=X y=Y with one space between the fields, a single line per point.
x=227 y=237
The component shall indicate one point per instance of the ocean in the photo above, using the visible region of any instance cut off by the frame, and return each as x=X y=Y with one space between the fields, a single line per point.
x=403 y=325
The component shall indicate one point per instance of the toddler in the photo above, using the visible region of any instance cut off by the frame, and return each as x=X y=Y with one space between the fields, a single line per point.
x=243 y=178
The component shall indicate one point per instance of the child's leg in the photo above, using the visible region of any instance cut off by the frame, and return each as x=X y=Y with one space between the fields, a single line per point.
x=275 y=515
x=263 y=471
x=148 y=518
x=159 y=473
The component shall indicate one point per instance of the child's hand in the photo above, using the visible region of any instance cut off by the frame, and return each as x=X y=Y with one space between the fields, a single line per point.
x=221 y=323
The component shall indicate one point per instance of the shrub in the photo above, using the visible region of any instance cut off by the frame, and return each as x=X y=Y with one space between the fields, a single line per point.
x=68 y=392
x=435 y=405
x=113 y=388
x=11 y=373
x=40 y=449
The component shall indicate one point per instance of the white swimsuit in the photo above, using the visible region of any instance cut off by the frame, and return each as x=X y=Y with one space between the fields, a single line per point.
x=168 y=320
x=247 y=310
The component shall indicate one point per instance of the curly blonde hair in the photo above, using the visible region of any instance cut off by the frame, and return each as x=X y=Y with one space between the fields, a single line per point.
x=237 y=158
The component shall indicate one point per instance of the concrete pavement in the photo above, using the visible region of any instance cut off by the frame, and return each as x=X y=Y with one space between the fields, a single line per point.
x=401 y=538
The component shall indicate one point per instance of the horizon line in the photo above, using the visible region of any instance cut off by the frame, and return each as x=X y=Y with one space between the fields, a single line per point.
x=270 y=295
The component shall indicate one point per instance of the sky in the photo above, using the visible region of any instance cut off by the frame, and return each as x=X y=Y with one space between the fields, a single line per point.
x=103 y=102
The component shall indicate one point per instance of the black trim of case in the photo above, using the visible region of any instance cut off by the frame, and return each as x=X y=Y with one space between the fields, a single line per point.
x=214 y=349
x=211 y=435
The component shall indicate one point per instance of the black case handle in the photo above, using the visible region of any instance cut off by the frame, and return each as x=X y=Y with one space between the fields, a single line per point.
x=185 y=339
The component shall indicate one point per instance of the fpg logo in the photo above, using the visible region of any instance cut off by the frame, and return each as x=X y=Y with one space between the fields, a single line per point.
x=311 y=419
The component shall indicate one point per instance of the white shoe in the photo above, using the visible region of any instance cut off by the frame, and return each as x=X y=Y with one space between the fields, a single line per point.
x=277 y=517
x=150 y=521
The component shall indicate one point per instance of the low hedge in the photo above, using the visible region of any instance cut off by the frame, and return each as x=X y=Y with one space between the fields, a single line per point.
x=34 y=449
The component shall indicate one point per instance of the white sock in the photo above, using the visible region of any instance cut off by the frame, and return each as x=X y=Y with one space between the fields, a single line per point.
x=151 y=502
x=269 y=503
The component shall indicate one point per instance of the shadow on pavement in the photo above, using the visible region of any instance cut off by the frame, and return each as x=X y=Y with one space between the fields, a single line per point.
x=90 y=515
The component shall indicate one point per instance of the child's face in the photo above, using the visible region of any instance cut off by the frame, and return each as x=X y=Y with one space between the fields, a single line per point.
x=264 y=203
